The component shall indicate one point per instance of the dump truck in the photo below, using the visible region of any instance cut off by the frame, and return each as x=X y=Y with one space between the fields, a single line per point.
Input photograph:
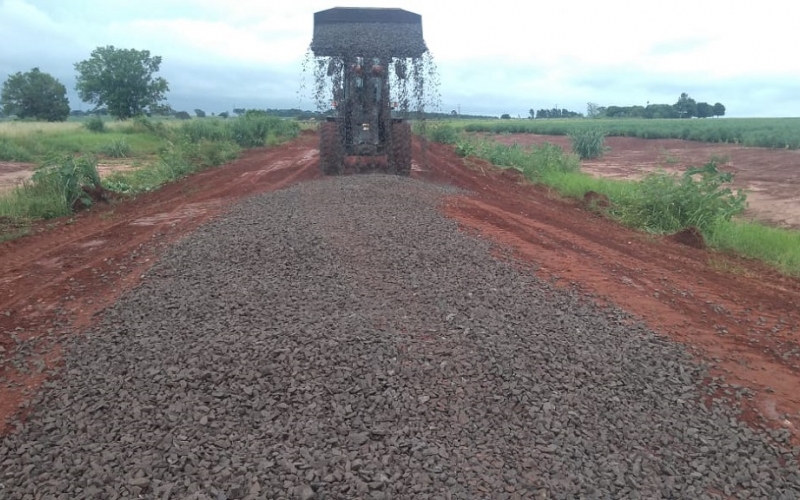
x=363 y=46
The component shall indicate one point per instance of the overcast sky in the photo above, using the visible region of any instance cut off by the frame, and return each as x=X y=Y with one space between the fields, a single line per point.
x=496 y=57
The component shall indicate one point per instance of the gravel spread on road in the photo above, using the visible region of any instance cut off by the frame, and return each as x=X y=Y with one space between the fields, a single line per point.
x=343 y=339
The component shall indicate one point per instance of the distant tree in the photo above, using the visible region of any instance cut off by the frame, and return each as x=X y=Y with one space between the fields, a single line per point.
x=239 y=111
x=161 y=110
x=183 y=115
x=200 y=113
x=704 y=110
x=122 y=80
x=593 y=110
x=505 y=116
x=531 y=113
x=224 y=114
x=686 y=106
x=719 y=109
x=35 y=95
x=454 y=113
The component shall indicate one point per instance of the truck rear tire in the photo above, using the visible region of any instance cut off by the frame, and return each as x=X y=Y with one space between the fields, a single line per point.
x=331 y=155
x=400 y=150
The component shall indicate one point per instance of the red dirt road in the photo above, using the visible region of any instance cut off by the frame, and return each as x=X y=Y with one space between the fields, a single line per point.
x=739 y=313
x=57 y=279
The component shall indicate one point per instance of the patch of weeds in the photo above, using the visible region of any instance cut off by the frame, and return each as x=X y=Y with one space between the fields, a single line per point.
x=118 y=148
x=588 y=144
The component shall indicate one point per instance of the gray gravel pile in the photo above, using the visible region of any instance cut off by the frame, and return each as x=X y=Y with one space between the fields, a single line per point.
x=369 y=39
x=342 y=339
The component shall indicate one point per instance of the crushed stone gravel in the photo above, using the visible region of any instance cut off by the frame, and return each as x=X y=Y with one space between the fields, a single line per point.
x=342 y=339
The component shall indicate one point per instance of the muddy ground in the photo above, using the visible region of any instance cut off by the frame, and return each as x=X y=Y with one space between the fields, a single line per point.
x=770 y=177
x=738 y=317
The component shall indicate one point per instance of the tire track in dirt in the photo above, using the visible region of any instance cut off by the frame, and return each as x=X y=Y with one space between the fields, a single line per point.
x=58 y=279
x=739 y=315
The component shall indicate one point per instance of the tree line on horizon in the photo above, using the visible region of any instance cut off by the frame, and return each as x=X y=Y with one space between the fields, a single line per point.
x=121 y=83
x=685 y=107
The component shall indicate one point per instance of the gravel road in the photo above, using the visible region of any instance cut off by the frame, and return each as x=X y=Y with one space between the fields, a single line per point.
x=342 y=339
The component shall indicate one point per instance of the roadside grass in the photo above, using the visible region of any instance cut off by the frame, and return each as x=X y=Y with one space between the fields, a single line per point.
x=35 y=145
x=659 y=203
x=164 y=151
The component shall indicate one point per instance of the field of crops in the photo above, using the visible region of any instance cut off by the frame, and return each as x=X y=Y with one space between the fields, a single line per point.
x=781 y=133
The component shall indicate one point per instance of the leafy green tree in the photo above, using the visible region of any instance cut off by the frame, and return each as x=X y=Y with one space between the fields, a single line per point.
x=35 y=95
x=505 y=116
x=122 y=80
x=686 y=106
x=200 y=113
x=183 y=115
x=719 y=109
x=704 y=110
x=224 y=114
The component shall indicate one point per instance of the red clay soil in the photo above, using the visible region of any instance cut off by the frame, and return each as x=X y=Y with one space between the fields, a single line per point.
x=57 y=279
x=739 y=315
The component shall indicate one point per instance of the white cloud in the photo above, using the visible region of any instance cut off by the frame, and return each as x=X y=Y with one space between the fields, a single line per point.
x=509 y=54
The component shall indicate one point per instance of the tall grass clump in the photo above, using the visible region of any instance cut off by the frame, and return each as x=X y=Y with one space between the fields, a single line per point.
x=212 y=130
x=536 y=161
x=443 y=133
x=256 y=129
x=11 y=151
x=117 y=148
x=54 y=190
x=664 y=203
x=588 y=144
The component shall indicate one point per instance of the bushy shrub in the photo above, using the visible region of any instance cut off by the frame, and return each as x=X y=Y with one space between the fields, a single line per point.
x=95 y=124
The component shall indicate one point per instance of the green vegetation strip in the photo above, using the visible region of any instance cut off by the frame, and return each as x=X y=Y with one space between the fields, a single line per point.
x=660 y=203
x=782 y=133
x=161 y=152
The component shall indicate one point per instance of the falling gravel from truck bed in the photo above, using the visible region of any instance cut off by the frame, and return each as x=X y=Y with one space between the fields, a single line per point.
x=342 y=339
